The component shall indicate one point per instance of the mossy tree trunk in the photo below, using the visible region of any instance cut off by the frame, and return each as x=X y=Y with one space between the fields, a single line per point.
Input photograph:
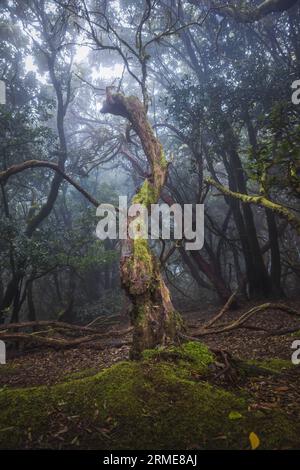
x=153 y=316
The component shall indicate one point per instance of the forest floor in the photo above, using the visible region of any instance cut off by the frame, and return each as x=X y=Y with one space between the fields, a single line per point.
x=268 y=392
x=47 y=366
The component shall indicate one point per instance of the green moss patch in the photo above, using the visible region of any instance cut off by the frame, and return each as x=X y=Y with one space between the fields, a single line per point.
x=142 y=253
x=160 y=402
x=146 y=195
x=81 y=374
x=189 y=357
x=273 y=365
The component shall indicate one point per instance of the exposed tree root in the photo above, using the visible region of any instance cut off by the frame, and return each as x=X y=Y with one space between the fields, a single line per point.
x=88 y=336
x=240 y=322
x=231 y=369
x=55 y=334
x=224 y=362
x=222 y=311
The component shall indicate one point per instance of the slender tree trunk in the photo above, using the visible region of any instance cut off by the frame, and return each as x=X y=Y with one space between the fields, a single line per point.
x=213 y=275
x=194 y=270
x=16 y=305
x=153 y=316
x=277 y=290
x=259 y=282
x=11 y=293
x=30 y=302
x=275 y=275
x=68 y=314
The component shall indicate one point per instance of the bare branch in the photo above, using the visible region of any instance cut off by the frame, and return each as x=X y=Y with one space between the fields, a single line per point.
x=14 y=169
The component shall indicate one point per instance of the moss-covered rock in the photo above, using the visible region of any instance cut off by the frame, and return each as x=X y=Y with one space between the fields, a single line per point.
x=160 y=402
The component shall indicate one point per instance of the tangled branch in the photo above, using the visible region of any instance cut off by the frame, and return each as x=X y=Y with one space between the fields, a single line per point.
x=207 y=328
x=87 y=335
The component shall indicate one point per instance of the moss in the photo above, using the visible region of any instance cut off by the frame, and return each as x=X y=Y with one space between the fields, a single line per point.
x=138 y=269
x=81 y=374
x=141 y=266
x=142 y=252
x=191 y=356
x=280 y=209
x=146 y=195
x=141 y=315
x=174 y=323
x=132 y=102
x=163 y=160
x=296 y=334
x=274 y=365
x=157 y=403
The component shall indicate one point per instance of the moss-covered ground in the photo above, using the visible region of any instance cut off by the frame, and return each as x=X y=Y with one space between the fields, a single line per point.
x=161 y=402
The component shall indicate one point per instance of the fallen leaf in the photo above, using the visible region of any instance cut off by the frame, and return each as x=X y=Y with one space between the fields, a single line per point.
x=234 y=415
x=281 y=389
x=254 y=440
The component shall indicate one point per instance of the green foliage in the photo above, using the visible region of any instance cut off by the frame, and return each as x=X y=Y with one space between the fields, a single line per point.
x=276 y=163
x=92 y=257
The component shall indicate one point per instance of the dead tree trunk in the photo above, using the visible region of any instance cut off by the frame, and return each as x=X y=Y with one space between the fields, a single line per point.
x=153 y=316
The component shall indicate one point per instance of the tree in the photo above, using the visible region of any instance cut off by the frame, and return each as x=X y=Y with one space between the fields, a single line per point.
x=153 y=316
x=205 y=88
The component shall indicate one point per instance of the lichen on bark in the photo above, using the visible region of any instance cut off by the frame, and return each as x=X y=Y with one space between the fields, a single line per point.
x=259 y=200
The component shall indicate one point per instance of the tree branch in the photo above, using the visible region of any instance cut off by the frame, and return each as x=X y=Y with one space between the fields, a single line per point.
x=258 y=200
x=240 y=322
x=14 y=169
